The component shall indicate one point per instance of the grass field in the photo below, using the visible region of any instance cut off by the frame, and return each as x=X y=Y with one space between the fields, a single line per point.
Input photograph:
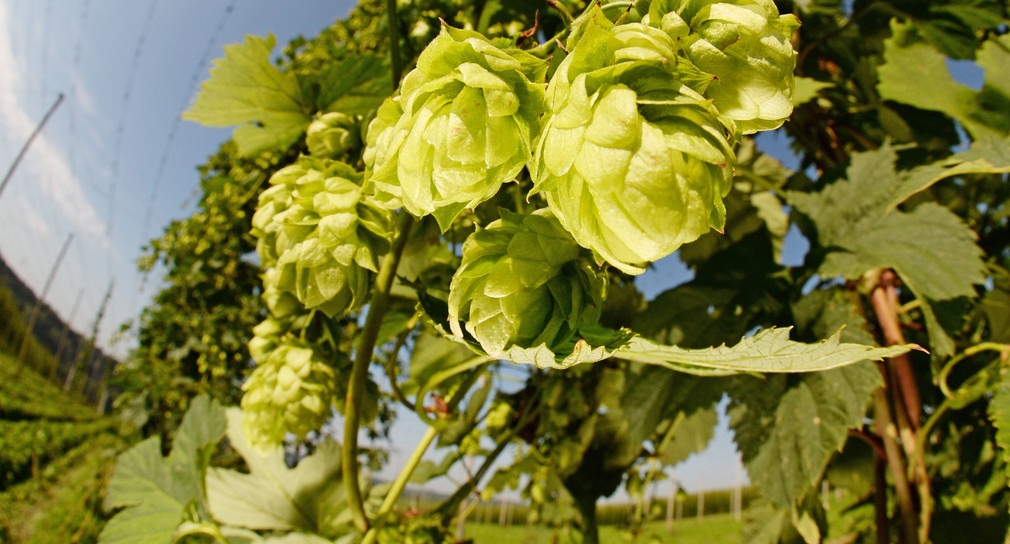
x=717 y=529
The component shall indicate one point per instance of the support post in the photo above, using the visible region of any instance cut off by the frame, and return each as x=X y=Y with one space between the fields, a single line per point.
x=24 y=149
x=38 y=306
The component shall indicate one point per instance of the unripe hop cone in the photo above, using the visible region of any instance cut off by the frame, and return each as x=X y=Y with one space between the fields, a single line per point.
x=322 y=234
x=523 y=283
x=633 y=161
x=469 y=116
x=291 y=390
x=334 y=135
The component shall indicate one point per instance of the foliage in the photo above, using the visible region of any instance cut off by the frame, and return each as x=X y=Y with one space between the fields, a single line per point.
x=508 y=192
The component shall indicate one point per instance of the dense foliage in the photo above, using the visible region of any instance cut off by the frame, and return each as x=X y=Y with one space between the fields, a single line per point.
x=417 y=237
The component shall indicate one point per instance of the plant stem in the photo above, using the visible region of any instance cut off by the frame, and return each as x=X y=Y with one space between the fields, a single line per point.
x=359 y=374
x=889 y=433
x=393 y=21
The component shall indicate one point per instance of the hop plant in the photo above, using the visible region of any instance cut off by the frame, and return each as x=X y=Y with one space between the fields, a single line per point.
x=745 y=45
x=291 y=390
x=322 y=235
x=523 y=283
x=633 y=161
x=334 y=135
x=470 y=112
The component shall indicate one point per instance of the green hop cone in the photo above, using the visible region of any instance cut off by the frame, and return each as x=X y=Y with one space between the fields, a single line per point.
x=322 y=234
x=523 y=283
x=745 y=44
x=334 y=135
x=632 y=161
x=470 y=112
x=378 y=149
x=291 y=390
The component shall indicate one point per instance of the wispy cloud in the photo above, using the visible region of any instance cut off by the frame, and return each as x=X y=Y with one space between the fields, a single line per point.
x=33 y=217
x=49 y=167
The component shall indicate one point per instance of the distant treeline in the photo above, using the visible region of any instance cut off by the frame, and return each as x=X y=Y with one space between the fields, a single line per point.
x=56 y=351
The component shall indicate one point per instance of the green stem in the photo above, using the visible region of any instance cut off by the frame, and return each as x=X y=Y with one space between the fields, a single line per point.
x=393 y=21
x=359 y=375
x=1004 y=350
x=393 y=495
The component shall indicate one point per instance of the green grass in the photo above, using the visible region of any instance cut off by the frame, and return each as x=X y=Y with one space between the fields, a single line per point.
x=29 y=395
x=716 y=529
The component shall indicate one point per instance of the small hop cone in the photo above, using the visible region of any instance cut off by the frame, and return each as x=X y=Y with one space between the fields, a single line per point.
x=469 y=116
x=523 y=283
x=321 y=234
x=291 y=390
x=746 y=45
x=632 y=161
x=334 y=135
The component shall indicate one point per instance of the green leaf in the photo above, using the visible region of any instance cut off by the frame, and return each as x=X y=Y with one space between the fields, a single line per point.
x=915 y=73
x=988 y=155
x=932 y=250
x=355 y=86
x=155 y=491
x=246 y=89
x=930 y=247
x=788 y=427
x=769 y=350
x=807 y=89
x=692 y=434
x=272 y=496
x=999 y=413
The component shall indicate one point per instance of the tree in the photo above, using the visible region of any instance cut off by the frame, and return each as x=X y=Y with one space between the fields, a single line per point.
x=493 y=205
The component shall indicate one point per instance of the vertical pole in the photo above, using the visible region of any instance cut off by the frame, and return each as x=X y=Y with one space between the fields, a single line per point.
x=670 y=504
x=38 y=305
x=701 y=503
x=63 y=337
x=89 y=346
x=24 y=149
x=738 y=505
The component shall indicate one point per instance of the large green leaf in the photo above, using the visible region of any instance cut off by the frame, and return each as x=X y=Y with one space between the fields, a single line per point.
x=769 y=350
x=932 y=250
x=788 y=427
x=272 y=496
x=246 y=89
x=692 y=433
x=915 y=73
x=155 y=491
x=355 y=86
x=930 y=247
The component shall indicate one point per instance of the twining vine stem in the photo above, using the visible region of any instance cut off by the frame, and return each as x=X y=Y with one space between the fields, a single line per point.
x=359 y=372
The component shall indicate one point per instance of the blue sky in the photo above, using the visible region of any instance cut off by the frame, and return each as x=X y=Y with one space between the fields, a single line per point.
x=128 y=69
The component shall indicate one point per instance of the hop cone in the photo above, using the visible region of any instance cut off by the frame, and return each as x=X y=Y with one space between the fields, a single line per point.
x=470 y=113
x=291 y=389
x=745 y=44
x=333 y=135
x=633 y=162
x=323 y=237
x=520 y=284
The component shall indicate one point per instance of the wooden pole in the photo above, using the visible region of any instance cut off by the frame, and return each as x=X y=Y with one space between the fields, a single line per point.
x=24 y=149
x=63 y=337
x=38 y=305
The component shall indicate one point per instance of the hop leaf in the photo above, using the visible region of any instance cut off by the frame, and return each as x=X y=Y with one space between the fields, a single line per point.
x=745 y=45
x=633 y=162
x=323 y=236
x=334 y=136
x=291 y=390
x=469 y=117
x=522 y=283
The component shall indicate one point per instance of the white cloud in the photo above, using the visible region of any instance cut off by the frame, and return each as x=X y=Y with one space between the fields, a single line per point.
x=33 y=217
x=82 y=95
x=48 y=166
